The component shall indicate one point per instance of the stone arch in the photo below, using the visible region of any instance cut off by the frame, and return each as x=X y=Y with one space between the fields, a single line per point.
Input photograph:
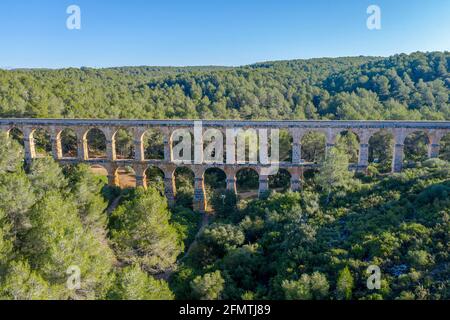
x=349 y=141
x=215 y=182
x=214 y=146
x=16 y=134
x=215 y=178
x=381 y=150
x=126 y=176
x=184 y=185
x=42 y=140
x=100 y=171
x=416 y=145
x=313 y=146
x=96 y=143
x=247 y=182
x=182 y=145
x=246 y=139
x=69 y=144
x=444 y=150
x=153 y=140
x=281 y=181
x=123 y=143
x=155 y=176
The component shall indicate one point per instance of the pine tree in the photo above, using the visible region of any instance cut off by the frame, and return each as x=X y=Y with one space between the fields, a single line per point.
x=334 y=174
x=142 y=233
x=46 y=175
x=16 y=193
x=208 y=287
x=134 y=284
x=344 y=285
x=57 y=241
x=86 y=188
x=6 y=245
x=21 y=283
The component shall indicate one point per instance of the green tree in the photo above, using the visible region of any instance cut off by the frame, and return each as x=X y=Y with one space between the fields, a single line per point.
x=142 y=233
x=308 y=287
x=297 y=290
x=46 y=175
x=16 y=193
x=224 y=203
x=11 y=155
x=221 y=237
x=134 y=284
x=344 y=284
x=21 y=283
x=85 y=187
x=6 y=245
x=57 y=241
x=334 y=174
x=242 y=265
x=208 y=287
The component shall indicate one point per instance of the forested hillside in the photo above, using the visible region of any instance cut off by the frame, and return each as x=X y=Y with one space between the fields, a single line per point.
x=411 y=86
x=313 y=244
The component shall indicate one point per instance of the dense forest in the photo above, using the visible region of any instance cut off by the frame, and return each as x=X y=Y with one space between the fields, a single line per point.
x=313 y=244
x=409 y=87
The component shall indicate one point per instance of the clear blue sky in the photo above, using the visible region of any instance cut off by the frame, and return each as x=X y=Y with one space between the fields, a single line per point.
x=33 y=33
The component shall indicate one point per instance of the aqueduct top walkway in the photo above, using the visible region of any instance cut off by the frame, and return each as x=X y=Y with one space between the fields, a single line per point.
x=434 y=130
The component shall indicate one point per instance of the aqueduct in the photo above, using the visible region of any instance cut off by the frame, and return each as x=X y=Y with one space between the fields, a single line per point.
x=364 y=130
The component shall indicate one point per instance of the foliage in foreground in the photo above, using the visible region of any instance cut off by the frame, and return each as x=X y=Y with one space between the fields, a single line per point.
x=53 y=226
x=317 y=245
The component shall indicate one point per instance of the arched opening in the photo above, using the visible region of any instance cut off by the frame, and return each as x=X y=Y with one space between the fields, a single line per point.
x=247 y=183
x=101 y=172
x=215 y=181
x=215 y=178
x=214 y=146
x=444 y=151
x=183 y=145
x=96 y=141
x=416 y=147
x=247 y=146
x=285 y=145
x=349 y=142
x=68 y=139
x=124 y=144
x=184 y=184
x=313 y=147
x=16 y=134
x=381 y=148
x=126 y=177
x=42 y=143
x=155 y=178
x=153 y=140
x=281 y=181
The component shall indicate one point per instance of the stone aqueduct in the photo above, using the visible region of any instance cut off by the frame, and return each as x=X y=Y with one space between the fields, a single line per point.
x=435 y=130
